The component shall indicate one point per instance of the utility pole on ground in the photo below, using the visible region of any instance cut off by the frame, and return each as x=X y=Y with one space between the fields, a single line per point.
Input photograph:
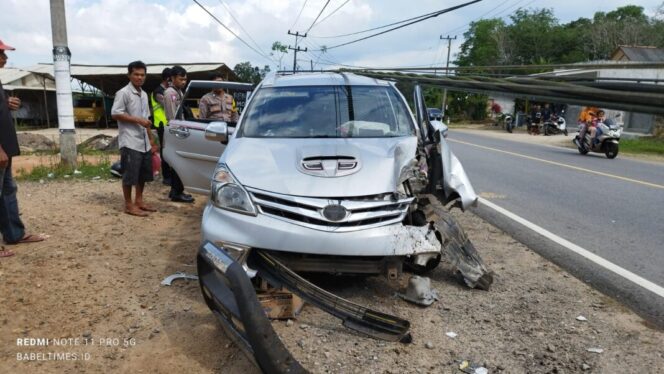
x=296 y=49
x=65 y=104
x=447 y=70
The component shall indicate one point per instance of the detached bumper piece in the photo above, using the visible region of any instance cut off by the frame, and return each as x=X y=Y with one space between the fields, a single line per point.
x=228 y=291
x=356 y=317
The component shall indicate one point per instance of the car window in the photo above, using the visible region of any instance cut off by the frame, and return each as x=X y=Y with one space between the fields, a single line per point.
x=326 y=112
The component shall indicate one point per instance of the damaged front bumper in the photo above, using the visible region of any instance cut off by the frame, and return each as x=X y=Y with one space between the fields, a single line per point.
x=263 y=231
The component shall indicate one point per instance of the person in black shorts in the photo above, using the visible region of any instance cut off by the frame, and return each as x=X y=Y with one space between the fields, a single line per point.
x=136 y=142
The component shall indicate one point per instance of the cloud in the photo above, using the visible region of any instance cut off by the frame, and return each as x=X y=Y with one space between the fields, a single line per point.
x=119 y=31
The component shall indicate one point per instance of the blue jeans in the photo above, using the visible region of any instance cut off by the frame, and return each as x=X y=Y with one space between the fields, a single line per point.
x=10 y=223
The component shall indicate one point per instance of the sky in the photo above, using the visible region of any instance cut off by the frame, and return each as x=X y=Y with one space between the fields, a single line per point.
x=108 y=32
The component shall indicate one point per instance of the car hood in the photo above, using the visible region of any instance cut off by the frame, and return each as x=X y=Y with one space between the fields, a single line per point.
x=275 y=165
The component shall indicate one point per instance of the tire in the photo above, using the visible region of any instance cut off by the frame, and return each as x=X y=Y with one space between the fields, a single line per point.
x=546 y=130
x=508 y=127
x=611 y=150
x=565 y=132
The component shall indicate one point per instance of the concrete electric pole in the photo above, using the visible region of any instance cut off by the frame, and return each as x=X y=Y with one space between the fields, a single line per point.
x=447 y=70
x=296 y=49
x=61 y=61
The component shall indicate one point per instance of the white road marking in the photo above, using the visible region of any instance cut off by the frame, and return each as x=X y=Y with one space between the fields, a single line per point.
x=648 y=285
x=561 y=164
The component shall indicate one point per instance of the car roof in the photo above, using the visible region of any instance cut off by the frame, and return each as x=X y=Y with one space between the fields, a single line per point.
x=320 y=79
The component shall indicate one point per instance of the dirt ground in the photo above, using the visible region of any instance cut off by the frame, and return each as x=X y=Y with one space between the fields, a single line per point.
x=95 y=286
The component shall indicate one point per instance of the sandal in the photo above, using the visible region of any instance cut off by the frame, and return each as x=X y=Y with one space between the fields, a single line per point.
x=6 y=253
x=32 y=238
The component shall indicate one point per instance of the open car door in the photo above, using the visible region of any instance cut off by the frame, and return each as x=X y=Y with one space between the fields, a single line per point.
x=186 y=148
x=446 y=172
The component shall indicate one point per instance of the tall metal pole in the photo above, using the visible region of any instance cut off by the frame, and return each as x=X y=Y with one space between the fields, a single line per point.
x=61 y=62
x=447 y=70
x=296 y=49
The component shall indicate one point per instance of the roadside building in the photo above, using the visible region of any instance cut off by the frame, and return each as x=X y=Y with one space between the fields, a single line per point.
x=37 y=94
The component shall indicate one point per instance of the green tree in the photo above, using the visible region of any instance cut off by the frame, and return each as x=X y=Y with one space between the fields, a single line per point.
x=279 y=50
x=479 y=46
x=250 y=74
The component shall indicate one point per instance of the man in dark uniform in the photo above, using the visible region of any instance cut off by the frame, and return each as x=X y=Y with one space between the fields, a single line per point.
x=11 y=226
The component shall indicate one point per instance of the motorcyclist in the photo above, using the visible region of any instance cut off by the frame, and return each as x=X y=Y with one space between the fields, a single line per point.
x=586 y=118
x=595 y=130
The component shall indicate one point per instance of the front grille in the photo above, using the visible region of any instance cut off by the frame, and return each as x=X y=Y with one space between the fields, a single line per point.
x=362 y=212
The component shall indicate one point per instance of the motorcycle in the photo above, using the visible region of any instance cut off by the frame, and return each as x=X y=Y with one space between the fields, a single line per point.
x=506 y=121
x=534 y=123
x=607 y=142
x=555 y=125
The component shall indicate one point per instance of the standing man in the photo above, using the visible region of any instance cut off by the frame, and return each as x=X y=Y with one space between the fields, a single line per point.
x=11 y=226
x=159 y=120
x=217 y=104
x=130 y=109
x=172 y=100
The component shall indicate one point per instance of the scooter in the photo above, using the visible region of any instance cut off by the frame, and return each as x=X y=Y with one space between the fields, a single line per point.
x=508 y=122
x=607 y=143
x=555 y=125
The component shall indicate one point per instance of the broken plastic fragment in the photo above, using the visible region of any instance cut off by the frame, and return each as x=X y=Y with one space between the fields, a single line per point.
x=451 y=334
x=581 y=318
x=595 y=350
x=179 y=275
x=419 y=291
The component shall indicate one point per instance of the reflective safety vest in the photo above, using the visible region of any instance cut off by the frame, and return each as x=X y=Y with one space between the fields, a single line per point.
x=158 y=115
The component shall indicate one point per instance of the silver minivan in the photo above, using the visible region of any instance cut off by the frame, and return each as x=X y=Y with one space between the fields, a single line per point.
x=325 y=170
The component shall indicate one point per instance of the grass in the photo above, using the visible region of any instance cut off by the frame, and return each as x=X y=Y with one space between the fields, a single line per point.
x=84 y=171
x=645 y=145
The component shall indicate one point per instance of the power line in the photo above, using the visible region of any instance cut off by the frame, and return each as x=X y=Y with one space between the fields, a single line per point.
x=334 y=11
x=231 y=31
x=436 y=14
x=318 y=16
x=241 y=27
x=299 y=14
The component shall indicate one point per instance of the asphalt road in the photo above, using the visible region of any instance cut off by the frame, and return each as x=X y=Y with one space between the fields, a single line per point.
x=612 y=208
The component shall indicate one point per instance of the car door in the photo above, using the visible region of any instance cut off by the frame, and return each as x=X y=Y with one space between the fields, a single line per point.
x=186 y=150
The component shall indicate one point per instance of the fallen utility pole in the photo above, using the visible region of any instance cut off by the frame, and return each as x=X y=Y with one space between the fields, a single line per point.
x=65 y=105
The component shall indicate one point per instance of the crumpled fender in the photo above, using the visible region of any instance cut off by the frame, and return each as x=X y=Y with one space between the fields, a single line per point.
x=455 y=179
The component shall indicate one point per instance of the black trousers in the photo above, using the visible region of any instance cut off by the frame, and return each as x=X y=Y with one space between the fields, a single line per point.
x=165 y=167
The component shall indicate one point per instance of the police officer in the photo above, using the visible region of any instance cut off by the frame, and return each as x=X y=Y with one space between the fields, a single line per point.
x=172 y=99
x=159 y=120
x=217 y=104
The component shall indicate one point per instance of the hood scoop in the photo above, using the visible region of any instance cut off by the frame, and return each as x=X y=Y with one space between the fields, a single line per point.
x=329 y=166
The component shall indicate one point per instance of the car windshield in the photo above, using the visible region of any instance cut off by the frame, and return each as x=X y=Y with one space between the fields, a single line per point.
x=326 y=112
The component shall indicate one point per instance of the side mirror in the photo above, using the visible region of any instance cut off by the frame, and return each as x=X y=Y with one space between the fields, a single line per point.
x=217 y=131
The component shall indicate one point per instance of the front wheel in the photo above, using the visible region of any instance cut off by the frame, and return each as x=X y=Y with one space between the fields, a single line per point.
x=565 y=132
x=508 y=127
x=611 y=150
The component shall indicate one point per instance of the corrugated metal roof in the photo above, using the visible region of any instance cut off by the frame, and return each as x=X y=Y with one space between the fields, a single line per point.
x=110 y=78
x=642 y=54
x=9 y=75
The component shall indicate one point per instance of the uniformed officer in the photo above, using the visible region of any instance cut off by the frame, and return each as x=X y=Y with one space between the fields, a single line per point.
x=172 y=99
x=217 y=104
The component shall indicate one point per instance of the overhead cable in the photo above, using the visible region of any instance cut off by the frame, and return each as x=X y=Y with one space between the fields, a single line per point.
x=318 y=16
x=436 y=14
x=334 y=11
x=299 y=14
x=231 y=31
x=222 y=2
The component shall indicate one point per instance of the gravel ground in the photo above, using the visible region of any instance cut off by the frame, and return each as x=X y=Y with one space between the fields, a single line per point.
x=96 y=283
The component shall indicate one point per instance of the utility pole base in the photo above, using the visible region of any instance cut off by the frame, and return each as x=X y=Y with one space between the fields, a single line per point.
x=68 y=153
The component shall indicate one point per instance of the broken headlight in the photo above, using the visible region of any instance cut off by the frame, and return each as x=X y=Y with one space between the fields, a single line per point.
x=227 y=193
